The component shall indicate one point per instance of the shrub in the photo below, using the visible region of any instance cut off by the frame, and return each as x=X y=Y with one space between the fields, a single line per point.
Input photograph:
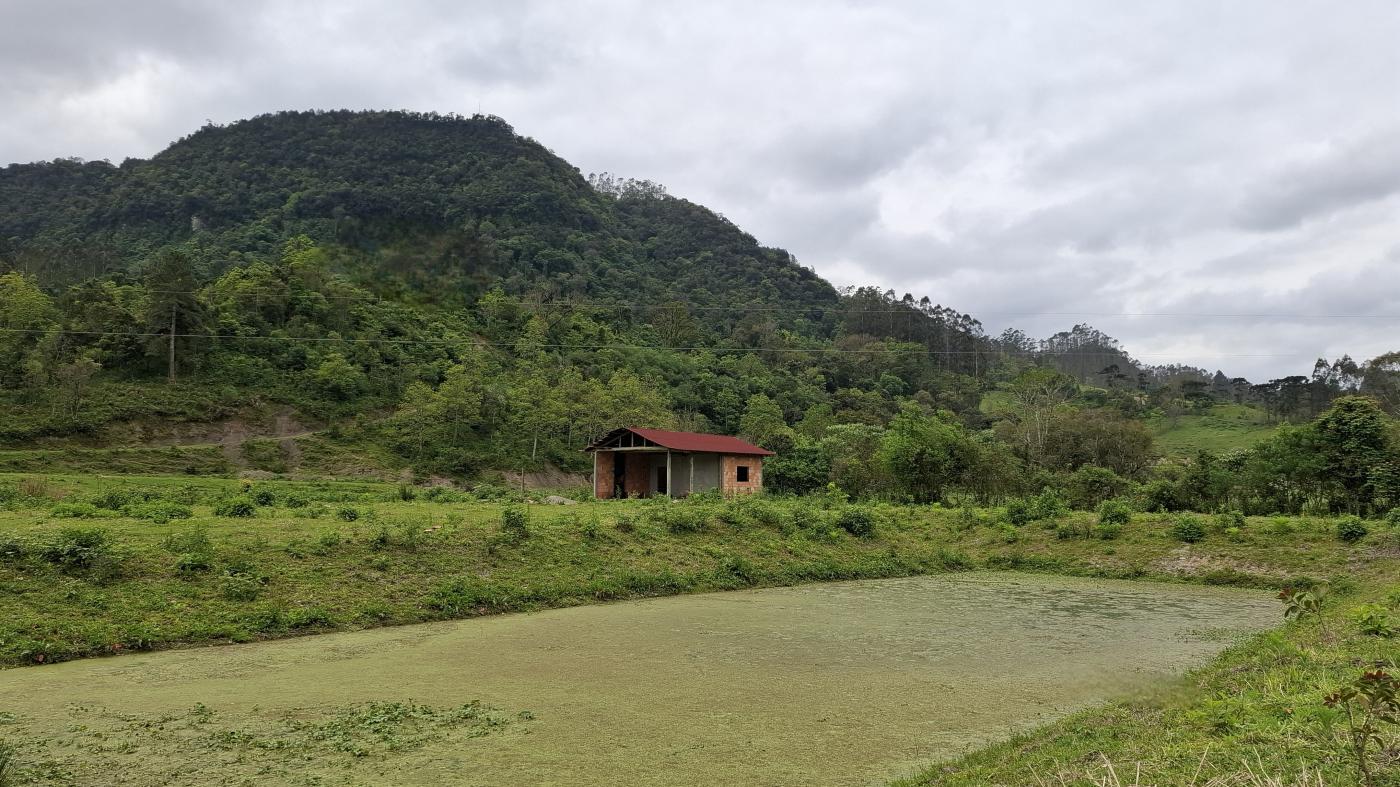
x=310 y=617
x=515 y=523
x=77 y=548
x=158 y=511
x=294 y=500
x=264 y=497
x=1018 y=512
x=328 y=540
x=1392 y=517
x=347 y=514
x=12 y=548
x=241 y=506
x=685 y=518
x=193 y=562
x=1234 y=534
x=1115 y=513
x=1066 y=532
x=407 y=493
x=74 y=511
x=1373 y=620
x=1188 y=528
x=196 y=540
x=1107 y=531
x=1008 y=533
x=1228 y=519
x=857 y=521
x=1049 y=504
x=1090 y=486
x=239 y=586
x=1351 y=529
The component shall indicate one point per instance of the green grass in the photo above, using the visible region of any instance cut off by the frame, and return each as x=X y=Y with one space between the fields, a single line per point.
x=1227 y=427
x=336 y=555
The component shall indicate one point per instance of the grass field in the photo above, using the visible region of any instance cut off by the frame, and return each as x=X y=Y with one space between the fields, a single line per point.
x=1226 y=427
x=94 y=566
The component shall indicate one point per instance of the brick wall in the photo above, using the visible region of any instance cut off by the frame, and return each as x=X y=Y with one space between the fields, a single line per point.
x=603 y=479
x=729 y=474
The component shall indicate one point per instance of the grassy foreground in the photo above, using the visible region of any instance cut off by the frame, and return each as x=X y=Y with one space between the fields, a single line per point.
x=93 y=566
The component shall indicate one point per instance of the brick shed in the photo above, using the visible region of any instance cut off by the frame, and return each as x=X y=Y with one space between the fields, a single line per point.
x=643 y=462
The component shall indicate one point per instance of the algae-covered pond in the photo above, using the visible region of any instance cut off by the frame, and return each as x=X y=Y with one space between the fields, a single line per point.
x=845 y=683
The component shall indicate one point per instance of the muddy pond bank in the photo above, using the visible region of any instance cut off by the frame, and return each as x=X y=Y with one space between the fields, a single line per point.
x=844 y=683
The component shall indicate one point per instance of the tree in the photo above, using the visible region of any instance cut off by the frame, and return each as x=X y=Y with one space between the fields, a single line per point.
x=1353 y=438
x=1034 y=397
x=923 y=455
x=172 y=305
x=762 y=423
x=26 y=314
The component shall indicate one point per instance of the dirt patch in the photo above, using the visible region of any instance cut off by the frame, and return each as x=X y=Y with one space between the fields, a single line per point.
x=549 y=478
x=1183 y=562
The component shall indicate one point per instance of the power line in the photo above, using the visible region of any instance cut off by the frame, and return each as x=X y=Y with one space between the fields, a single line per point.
x=696 y=348
x=912 y=311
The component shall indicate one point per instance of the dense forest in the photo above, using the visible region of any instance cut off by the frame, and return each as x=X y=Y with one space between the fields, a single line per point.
x=456 y=293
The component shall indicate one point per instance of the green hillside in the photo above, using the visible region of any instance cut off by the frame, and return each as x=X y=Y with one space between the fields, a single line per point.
x=1222 y=429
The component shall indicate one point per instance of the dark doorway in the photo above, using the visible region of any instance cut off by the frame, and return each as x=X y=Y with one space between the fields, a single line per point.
x=619 y=475
x=661 y=480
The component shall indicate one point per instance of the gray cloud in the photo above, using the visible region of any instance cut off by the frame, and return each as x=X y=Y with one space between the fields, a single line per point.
x=1036 y=165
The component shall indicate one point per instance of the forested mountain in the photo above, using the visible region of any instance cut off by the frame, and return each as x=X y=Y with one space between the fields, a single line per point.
x=459 y=296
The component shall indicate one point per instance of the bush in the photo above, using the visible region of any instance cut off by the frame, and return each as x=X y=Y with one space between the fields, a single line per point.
x=1008 y=534
x=857 y=521
x=294 y=501
x=1090 y=486
x=1392 y=517
x=264 y=497
x=515 y=523
x=193 y=562
x=158 y=511
x=1107 y=531
x=1234 y=534
x=1374 y=620
x=241 y=506
x=347 y=514
x=1066 y=532
x=1115 y=512
x=74 y=511
x=1351 y=529
x=1188 y=528
x=77 y=548
x=684 y=518
x=239 y=586
x=1049 y=504
x=1229 y=519
x=1018 y=512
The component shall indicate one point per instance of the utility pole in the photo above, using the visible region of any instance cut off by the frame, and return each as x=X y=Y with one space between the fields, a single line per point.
x=172 y=341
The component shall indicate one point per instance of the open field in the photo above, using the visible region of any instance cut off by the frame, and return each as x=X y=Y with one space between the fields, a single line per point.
x=1227 y=427
x=94 y=566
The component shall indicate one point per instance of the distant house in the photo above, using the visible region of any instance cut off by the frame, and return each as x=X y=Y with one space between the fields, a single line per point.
x=645 y=462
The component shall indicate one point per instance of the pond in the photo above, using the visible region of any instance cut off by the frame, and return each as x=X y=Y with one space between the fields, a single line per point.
x=831 y=684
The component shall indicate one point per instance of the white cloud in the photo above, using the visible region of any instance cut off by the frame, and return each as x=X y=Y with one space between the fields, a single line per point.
x=1087 y=157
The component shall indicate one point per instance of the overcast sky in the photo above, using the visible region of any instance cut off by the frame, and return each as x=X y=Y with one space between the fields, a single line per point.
x=1035 y=164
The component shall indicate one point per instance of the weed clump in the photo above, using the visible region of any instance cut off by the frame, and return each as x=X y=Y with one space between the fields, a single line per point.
x=159 y=511
x=1115 y=513
x=77 y=548
x=1351 y=529
x=239 y=586
x=240 y=506
x=1188 y=529
x=347 y=514
x=75 y=511
x=857 y=521
x=515 y=523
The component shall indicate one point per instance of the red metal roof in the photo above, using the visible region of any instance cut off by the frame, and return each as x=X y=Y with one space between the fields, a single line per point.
x=695 y=442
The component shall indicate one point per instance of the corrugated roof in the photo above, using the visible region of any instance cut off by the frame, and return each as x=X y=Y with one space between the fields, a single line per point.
x=693 y=441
